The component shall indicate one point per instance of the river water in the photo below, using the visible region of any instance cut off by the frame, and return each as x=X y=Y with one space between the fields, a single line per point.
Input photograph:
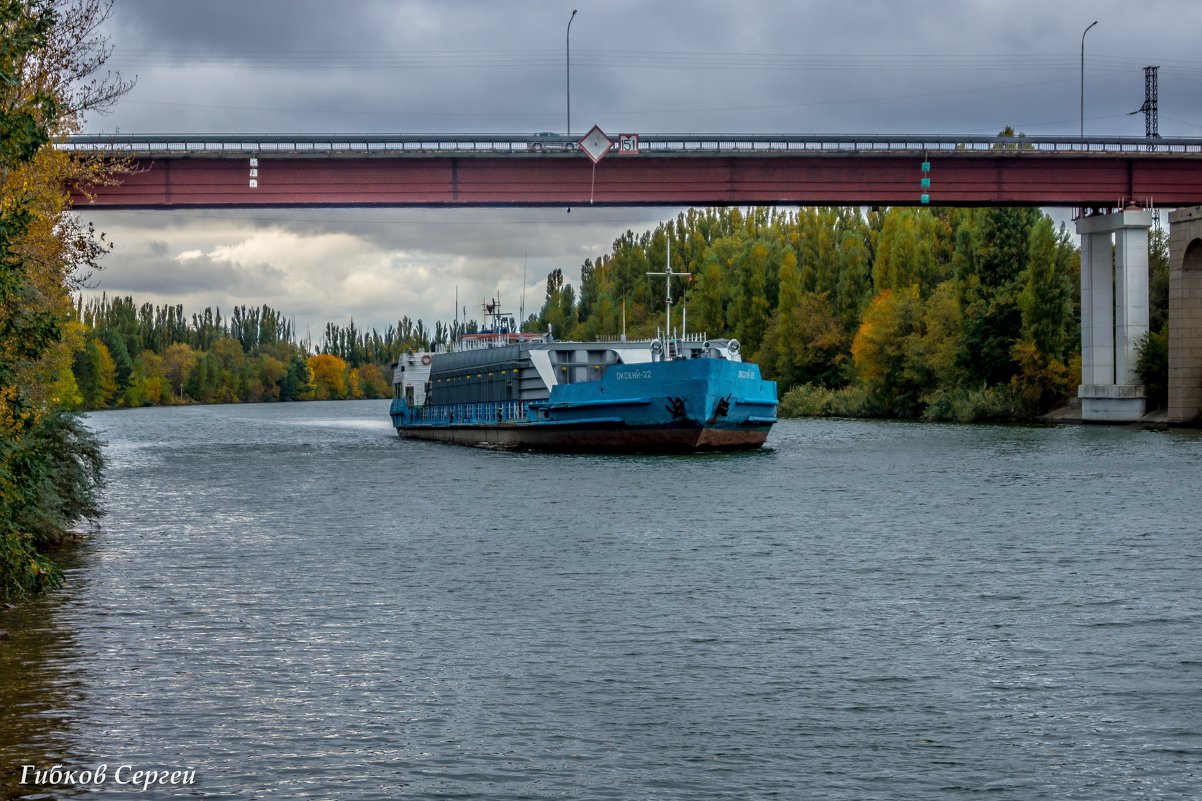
x=293 y=603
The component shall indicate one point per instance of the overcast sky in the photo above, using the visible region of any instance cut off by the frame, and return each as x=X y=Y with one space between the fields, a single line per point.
x=308 y=66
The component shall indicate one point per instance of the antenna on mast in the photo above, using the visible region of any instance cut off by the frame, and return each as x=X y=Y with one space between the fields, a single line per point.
x=522 y=305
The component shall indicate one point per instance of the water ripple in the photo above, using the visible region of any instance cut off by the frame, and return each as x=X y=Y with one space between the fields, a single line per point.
x=297 y=604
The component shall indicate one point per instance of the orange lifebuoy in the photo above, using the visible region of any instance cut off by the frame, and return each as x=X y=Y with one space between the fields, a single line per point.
x=426 y=359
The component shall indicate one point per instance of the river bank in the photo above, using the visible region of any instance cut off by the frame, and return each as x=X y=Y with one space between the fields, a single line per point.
x=1070 y=414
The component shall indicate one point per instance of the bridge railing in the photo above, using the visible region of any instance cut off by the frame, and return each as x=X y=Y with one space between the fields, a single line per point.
x=224 y=145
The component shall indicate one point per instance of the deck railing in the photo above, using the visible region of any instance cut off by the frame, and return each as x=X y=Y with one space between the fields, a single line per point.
x=489 y=413
x=723 y=144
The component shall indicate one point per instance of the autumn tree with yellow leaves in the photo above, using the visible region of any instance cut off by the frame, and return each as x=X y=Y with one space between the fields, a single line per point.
x=50 y=465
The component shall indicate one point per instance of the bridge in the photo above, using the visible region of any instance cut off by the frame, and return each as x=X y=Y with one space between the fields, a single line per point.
x=1113 y=180
x=212 y=171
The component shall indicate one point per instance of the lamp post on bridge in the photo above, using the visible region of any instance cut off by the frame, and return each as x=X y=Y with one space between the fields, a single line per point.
x=1095 y=22
x=568 y=65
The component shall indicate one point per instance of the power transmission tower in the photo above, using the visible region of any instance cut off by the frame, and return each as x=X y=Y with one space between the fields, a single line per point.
x=1151 y=106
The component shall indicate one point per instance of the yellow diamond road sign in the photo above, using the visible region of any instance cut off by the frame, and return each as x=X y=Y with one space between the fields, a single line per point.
x=596 y=144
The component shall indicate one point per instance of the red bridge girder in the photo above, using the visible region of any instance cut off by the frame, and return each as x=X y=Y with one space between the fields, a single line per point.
x=570 y=179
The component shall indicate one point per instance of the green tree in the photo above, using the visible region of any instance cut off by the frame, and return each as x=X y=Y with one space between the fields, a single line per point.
x=804 y=343
x=908 y=251
x=852 y=273
x=1003 y=244
x=231 y=362
x=1046 y=300
x=559 y=314
x=204 y=384
x=1158 y=279
x=1047 y=335
x=932 y=348
x=271 y=373
x=179 y=361
x=114 y=343
x=758 y=274
x=95 y=374
x=992 y=326
x=1153 y=367
x=709 y=297
x=297 y=383
x=148 y=384
x=880 y=356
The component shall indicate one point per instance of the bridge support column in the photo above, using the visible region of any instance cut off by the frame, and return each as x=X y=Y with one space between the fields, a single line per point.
x=1185 y=315
x=1114 y=313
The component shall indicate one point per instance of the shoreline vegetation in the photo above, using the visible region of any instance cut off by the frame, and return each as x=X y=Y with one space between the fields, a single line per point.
x=144 y=355
x=51 y=60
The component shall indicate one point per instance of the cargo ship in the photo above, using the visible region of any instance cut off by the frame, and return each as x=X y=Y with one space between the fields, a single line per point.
x=505 y=388
x=524 y=391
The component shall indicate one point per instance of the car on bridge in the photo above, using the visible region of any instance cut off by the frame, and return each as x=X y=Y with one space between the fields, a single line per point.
x=549 y=142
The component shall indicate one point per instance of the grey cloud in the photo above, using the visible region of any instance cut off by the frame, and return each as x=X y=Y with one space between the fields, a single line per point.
x=155 y=273
x=238 y=27
x=785 y=66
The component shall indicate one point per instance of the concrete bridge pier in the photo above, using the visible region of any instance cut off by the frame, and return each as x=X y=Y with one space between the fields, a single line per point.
x=1185 y=315
x=1114 y=313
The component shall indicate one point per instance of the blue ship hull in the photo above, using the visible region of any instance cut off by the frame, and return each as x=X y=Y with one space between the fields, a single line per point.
x=678 y=406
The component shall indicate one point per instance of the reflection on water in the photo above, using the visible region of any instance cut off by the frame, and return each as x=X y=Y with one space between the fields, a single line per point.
x=41 y=691
x=297 y=604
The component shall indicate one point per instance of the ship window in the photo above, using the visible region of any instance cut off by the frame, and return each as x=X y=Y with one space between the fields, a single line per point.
x=580 y=374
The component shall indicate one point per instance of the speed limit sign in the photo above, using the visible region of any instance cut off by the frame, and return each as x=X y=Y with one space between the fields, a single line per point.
x=628 y=144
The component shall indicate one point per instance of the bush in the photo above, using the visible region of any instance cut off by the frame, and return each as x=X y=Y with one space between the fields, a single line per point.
x=1152 y=364
x=24 y=571
x=1042 y=383
x=962 y=405
x=811 y=400
x=67 y=482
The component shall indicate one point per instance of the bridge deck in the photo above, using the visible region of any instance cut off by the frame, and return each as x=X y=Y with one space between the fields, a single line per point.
x=172 y=171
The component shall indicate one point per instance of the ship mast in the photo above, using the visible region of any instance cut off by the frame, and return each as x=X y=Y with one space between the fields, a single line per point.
x=668 y=274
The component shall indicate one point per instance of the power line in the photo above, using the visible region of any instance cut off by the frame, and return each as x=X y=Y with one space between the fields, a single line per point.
x=532 y=114
x=451 y=59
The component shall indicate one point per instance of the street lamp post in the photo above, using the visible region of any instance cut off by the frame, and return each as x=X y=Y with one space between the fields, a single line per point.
x=1095 y=22
x=568 y=58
